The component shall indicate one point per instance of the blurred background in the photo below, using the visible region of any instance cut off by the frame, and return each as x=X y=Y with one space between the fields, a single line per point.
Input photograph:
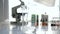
x=33 y=7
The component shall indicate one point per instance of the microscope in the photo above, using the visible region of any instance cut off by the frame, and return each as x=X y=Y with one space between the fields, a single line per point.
x=18 y=15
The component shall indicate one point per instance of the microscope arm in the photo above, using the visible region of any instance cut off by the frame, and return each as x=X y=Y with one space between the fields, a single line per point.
x=14 y=10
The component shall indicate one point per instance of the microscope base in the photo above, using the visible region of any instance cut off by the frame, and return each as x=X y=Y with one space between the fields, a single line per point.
x=15 y=23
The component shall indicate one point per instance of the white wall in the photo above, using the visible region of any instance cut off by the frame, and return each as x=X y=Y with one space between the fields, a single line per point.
x=36 y=8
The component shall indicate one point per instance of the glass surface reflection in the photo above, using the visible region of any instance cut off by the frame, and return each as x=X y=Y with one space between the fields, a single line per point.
x=15 y=29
